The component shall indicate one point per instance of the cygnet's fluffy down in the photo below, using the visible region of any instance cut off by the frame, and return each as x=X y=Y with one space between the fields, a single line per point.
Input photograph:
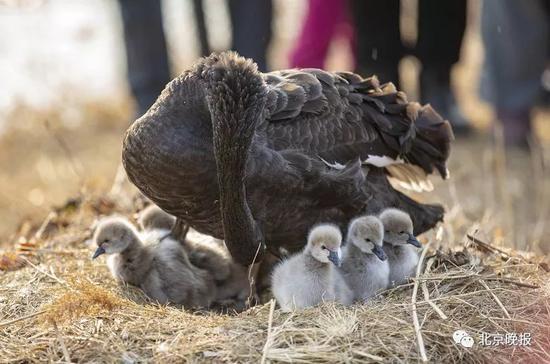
x=364 y=265
x=159 y=266
x=400 y=245
x=153 y=218
x=311 y=277
x=231 y=279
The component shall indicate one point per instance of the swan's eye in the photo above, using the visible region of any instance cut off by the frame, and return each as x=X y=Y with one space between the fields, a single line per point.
x=368 y=240
x=401 y=232
x=323 y=247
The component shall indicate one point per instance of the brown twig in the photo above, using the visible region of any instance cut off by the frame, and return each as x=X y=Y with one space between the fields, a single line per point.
x=490 y=247
x=22 y=318
x=427 y=293
x=62 y=343
x=44 y=272
x=253 y=270
x=416 y=324
x=497 y=300
x=487 y=245
x=269 y=338
x=511 y=281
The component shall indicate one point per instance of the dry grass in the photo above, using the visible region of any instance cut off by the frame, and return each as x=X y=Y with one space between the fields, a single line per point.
x=62 y=306
x=47 y=156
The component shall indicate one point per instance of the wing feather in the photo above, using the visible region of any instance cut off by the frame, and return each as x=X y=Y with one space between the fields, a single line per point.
x=343 y=116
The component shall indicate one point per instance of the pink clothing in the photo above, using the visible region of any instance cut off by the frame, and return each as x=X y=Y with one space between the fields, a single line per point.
x=324 y=19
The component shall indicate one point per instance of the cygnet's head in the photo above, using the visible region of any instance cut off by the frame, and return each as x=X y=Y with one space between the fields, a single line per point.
x=398 y=228
x=367 y=233
x=324 y=242
x=153 y=217
x=114 y=235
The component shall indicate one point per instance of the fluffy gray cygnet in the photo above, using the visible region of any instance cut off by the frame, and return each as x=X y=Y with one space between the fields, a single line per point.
x=160 y=268
x=231 y=278
x=364 y=265
x=400 y=245
x=311 y=277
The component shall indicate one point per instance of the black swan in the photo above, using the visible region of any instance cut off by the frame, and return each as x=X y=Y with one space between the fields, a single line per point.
x=258 y=159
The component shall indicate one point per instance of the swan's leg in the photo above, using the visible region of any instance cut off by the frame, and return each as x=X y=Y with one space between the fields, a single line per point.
x=180 y=230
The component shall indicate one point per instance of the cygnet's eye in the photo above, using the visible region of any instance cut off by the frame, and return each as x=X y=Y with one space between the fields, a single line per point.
x=387 y=231
x=323 y=247
x=368 y=240
x=401 y=232
x=106 y=241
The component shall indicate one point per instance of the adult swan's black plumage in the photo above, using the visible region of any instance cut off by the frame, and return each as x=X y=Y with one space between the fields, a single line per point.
x=259 y=158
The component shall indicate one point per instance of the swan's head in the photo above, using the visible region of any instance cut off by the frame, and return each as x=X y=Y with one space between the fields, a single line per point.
x=324 y=242
x=398 y=228
x=367 y=233
x=114 y=235
x=154 y=218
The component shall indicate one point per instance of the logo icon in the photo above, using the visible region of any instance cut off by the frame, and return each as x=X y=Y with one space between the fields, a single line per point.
x=463 y=338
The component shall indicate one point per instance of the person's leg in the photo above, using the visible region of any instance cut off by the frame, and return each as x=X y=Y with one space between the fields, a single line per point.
x=251 y=29
x=441 y=27
x=202 y=29
x=146 y=56
x=378 y=38
x=319 y=27
x=516 y=36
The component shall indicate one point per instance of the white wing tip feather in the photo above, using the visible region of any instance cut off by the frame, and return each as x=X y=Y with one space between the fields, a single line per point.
x=334 y=165
x=382 y=161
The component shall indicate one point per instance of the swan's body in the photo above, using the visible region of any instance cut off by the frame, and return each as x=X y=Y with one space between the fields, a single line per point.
x=155 y=263
x=310 y=277
x=400 y=245
x=364 y=265
x=257 y=159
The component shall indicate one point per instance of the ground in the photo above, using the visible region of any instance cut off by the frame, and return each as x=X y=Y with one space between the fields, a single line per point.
x=56 y=304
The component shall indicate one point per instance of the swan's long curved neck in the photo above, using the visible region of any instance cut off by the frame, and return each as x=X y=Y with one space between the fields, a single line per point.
x=236 y=101
x=231 y=153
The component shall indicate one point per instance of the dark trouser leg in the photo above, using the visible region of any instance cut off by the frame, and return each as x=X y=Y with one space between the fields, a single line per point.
x=251 y=29
x=379 y=47
x=441 y=27
x=516 y=38
x=202 y=30
x=146 y=56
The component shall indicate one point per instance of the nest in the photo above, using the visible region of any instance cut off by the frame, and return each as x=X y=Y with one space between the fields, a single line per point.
x=56 y=304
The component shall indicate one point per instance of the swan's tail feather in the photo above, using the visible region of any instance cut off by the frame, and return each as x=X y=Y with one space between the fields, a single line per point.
x=418 y=134
x=432 y=143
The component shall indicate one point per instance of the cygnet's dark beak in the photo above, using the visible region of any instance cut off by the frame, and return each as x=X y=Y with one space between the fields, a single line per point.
x=379 y=252
x=413 y=241
x=334 y=258
x=98 y=252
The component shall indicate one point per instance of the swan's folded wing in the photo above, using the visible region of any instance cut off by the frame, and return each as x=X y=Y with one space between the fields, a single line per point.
x=313 y=111
x=342 y=116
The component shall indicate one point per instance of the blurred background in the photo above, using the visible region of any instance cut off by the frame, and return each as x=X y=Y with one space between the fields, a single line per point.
x=75 y=73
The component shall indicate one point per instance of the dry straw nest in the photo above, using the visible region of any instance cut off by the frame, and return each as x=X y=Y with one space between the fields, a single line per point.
x=58 y=305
